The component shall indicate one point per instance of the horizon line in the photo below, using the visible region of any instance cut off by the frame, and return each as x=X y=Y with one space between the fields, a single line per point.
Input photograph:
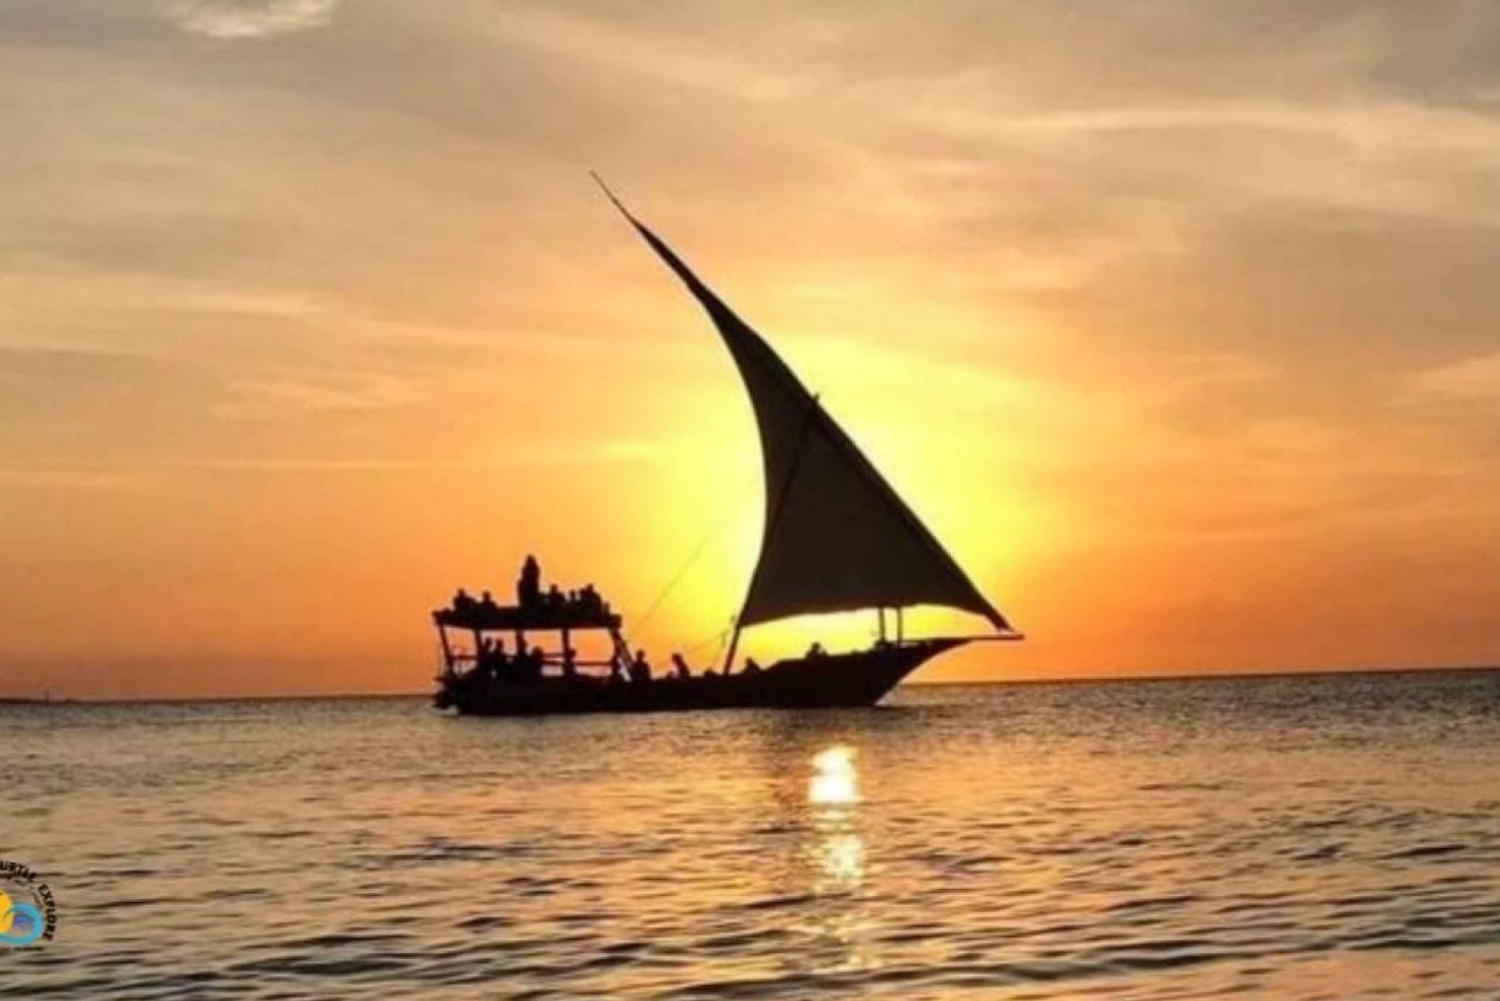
x=1208 y=676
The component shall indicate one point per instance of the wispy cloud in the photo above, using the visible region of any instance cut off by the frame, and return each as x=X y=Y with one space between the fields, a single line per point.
x=123 y=475
x=626 y=48
x=49 y=478
x=245 y=19
x=1470 y=379
x=279 y=397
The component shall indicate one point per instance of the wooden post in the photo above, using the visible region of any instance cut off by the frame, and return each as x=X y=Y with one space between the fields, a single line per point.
x=734 y=644
x=447 y=653
x=881 y=610
x=900 y=626
x=621 y=656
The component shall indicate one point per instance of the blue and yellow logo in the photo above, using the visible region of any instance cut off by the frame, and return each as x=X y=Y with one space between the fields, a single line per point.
x=28 y=913
x=20 y=923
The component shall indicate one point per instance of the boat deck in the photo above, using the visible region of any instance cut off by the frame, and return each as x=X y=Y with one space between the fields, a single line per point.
x=855 y=679
x=481 y=617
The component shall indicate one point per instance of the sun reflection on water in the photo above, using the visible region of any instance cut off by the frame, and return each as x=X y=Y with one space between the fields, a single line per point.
x=842 y=860
x=833 y=791
x=838 y=926
x=834 y=781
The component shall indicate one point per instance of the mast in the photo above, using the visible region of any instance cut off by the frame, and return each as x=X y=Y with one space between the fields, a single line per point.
x=770 y=531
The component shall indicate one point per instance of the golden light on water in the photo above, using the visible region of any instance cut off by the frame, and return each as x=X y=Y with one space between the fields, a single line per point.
x=841 y=861
x=834 y=781
x=838 y=852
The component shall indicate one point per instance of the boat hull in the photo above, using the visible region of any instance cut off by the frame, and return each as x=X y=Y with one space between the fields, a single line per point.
x=827 y=681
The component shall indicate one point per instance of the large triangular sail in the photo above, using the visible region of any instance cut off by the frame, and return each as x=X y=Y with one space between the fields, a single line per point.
x=837 y=536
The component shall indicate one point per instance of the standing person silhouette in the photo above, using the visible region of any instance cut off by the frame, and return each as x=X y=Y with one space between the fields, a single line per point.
x=529 y=585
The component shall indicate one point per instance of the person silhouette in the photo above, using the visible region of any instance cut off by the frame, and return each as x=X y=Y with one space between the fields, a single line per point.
x=529 y=585
x=484 y=659
x=640 y=669
x=680 y=665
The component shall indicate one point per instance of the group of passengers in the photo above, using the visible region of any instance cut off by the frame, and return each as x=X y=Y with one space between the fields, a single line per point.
x=526 y=664
x=491 y=661
x=585 y=602
x=638 y=671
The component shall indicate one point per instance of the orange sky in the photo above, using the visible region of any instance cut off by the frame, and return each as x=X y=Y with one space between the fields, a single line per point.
x=1178 y=327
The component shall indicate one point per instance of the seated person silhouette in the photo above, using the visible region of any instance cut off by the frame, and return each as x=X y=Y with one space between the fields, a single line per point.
x=816 y=651
x=461 y=601
x=484 y=659
x=505 y=667
x=588 y=600
x=752 y=666
x=487 y=600
x=555 y=600
x=640 y=670
x=680 y=667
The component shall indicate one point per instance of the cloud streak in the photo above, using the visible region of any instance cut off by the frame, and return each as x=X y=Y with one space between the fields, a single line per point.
x=1470 y=379
x=237 y=20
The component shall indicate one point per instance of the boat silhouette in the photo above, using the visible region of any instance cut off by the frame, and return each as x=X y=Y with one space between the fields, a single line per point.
x=836 y=537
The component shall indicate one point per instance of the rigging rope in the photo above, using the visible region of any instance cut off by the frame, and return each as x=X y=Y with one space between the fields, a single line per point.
x=721 y=637
x=698 y=550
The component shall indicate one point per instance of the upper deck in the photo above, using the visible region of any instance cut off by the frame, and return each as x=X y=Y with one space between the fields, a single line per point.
x=486 y=617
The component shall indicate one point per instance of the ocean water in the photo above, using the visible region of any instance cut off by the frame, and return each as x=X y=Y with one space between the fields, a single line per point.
x=1329 y=837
